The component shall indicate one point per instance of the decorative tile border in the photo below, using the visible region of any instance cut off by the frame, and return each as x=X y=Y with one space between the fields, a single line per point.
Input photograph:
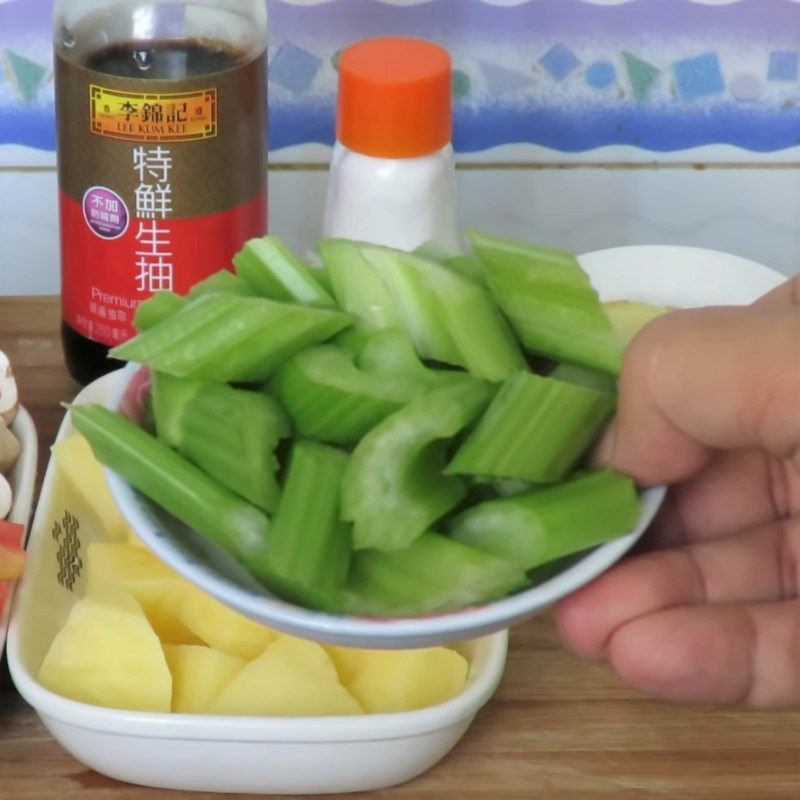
x=544 y=80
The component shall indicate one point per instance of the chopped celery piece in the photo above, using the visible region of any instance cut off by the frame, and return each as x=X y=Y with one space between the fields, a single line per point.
x=330 y=399
x=468 y=267
x=542 y=526
x=510 y=487
x=274 y=272
x=448 y=317
x=536 y=429
x=435 y=251
x=158 y=308
x=222 y=282
x=231 y=434
x=434 y=574
x=415 y=301
x=175 y=484
x=358 y=289
x=225 y=337
x=391 y=352
x=393 y=490
x=352 y=341
x=550 y=302
x=627 y=318
x=580 y=376
x=309 y=545
x=465 y=265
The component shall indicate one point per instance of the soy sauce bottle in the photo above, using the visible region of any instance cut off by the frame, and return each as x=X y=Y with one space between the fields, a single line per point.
x=162 y=156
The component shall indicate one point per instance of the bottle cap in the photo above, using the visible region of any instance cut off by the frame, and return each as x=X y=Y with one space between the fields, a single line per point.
x=395 y=98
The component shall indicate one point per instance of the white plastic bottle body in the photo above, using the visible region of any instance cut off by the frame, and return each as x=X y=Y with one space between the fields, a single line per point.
x=400 y=203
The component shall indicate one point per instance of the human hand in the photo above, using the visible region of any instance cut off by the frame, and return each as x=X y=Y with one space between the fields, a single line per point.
x=710 y=402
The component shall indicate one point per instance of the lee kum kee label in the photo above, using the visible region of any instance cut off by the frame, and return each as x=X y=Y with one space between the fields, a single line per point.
x=161 y=182
x=153 y=117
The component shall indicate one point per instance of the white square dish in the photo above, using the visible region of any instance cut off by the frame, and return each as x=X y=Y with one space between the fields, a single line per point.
x=23 y=485
x=267 y=755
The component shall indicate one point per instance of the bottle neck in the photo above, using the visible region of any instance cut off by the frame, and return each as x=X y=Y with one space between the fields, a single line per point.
x=395 y=202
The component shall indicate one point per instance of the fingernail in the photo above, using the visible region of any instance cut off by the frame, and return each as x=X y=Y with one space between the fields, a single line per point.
x=604 y=452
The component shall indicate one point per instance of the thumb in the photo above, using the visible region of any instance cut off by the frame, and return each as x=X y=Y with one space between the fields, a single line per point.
x=694 y=382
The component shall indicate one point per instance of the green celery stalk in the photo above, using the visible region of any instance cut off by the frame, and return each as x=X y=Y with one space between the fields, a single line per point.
x=449 y=318
x=180 y=488
x=415 y=302
x=464 y=264
x=468 y=266
x=434 y=574
x=358 y=290
x=274 y=272
x=224 y=337
x=156 y=309
x=548 y=524
x=510 y=487
x=580 y=376
x=331 y=400
x=391 y=352
x=222 y=282
x=536 y=429
x=550 y=302
x=309 y=545
x=435 y=251
x=231 y=434
x=393 y=490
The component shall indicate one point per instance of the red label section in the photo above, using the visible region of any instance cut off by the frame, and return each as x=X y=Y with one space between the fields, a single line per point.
x=105 y=279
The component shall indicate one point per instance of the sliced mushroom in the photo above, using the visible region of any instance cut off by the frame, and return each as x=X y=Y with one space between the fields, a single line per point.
x=10 y=448
x=9 y=398
x=5 y=498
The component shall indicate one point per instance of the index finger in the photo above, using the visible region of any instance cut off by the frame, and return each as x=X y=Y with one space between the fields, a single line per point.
x=698 y=381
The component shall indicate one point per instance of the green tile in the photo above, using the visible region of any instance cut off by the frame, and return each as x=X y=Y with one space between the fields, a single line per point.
x=643 y=75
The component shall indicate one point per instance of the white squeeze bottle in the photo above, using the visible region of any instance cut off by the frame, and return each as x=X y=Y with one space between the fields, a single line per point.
x=392 y=178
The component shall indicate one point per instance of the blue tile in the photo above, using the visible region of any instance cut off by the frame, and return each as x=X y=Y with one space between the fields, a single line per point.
x=783 y=66
x=560 y=61
x=293 y=68
x=699 y=77
x=600 y=75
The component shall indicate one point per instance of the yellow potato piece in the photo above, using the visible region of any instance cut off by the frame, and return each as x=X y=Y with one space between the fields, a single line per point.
x=628 y=318
x=107 y=654
x=84 y=475
x=291 y=678
x=385 y=682
x=158 y=589
x=133 y=540
x=221 y=627
x=198 y=676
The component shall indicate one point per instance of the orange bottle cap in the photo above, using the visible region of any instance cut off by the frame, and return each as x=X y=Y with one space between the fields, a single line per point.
x=395 y=98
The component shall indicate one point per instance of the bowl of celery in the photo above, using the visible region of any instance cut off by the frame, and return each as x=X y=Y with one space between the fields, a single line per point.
x=390 y=451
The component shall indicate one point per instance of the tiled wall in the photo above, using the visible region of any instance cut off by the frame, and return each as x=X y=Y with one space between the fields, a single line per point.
x=582 y=123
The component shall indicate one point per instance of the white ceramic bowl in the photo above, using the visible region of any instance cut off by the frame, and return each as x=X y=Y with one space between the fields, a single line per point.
x=23 y=484
x=672 y=276
x=214 y=753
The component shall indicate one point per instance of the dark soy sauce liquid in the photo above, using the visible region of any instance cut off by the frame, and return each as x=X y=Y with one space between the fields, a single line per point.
x=167 y=59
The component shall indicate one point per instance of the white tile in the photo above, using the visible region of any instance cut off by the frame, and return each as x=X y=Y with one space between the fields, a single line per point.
x=28 y=233
x=751 y=212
